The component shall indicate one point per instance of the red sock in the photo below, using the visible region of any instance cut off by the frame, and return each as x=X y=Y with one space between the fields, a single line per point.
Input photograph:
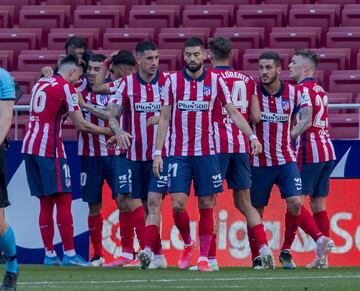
x=259 y=235
x=138 y=222
x=253 y=243
x=182 y=222
x=95 y=223
x=65 y=220
x=46 y=222
x=151 y=236
x=307 y=223
x=206 y=229
x=126 y=232
x=291 y=226
x=212 y=250
x=158 y=247
x=322 y=221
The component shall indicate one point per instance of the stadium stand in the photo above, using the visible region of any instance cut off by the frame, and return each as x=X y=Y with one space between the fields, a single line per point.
x=6 y=59
x=25 y=80
x=58 y=36
x=173 y=38
x=33 y=60
x=336 y=98
x=251 y=57
x=6 y=16
x=350 y=15
x=295 y=37
x=345 y=81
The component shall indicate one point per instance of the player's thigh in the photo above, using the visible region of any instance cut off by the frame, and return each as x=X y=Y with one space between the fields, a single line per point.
x=323 y=184
x=91 y=178
x=207 y=176
x=160 y=184
x=289 y=180
x=180 y=173
x=4 y=201
x=224 y=161
x=140 y=179
x=238 y=174
x=262 y=181
x=33 y=176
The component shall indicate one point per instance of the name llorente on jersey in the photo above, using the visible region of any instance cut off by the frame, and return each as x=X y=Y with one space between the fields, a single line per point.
x=148 y=106
x=237 y=75
x=274 y=117
x=193 y=105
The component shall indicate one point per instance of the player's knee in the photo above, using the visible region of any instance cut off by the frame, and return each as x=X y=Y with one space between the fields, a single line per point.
x=294 y=205
x=206 y=202
x=122 y=203
x=317 y=205
x=153 y=205
x=178 y=206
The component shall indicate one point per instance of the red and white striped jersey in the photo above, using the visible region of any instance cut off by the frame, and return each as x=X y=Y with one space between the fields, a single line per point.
x=228 y=138
x=91 y=144
x=192 y=104
x=142 y=100
x=273 y=131
x=315 y=145
x=52 y=98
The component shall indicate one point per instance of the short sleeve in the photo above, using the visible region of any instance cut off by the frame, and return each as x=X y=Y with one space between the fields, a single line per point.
x=115 y=85
x=305 y=98
x=71 y=97
x=7 y=86
x=166 y=93
x=223 y=92
x=121 y=97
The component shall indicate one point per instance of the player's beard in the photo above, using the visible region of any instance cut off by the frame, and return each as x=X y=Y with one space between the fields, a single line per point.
x=194 y=69
x=270 y=80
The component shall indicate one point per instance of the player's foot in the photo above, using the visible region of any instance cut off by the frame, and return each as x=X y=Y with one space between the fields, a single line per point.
x=158 y=262
x=133 y=264
x=52 y=261
x=121 y=261
x=97 y=261
x=318 y=264
x=213 y=264
x=286 y=260
x=145 y=257
x=9 y=282
x=257 y=264
x=323 y=246
x=267 y=258
x=185 y=256
x=75 y=261
x=203 y=266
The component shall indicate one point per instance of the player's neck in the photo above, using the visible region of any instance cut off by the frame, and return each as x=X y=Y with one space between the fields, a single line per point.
x=195 y=75
x=218 y=63
x=303 y=77
x=273 y=88
x=146 y=77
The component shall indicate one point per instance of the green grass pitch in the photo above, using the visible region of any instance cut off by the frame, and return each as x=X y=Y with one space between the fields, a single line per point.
x=236 y=278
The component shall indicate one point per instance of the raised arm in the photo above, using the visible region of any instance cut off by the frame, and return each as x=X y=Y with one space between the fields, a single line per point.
x=100 y=86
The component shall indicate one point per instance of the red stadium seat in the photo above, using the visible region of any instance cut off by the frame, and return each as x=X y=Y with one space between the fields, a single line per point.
x=18 y=128
x=6 y=59
x=24 y=100
x=313 y=15
x=72 y=3
x=242 y=37
x=6 y=16
x=251 y=57
x=357 y=99
x=358 y=61
x=18 y=4
x=126 y=38
x=58 y=36
x=212 y=16
x=178 y=2
x=169 y=59
x=318 y=76
x=155 y=16
x=33 y=60
x=231 y=2
x=104 y=16
x=294 y=37
x=339 y=98
x=350 y=15
x=266 y=16
x=345 y=81
x=341 y=2
x=174 y=38
x=26 y=80
x=289 y=2
x=341 y=37
x=344 y=125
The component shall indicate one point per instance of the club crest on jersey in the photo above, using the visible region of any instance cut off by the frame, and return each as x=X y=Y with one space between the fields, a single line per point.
x=148 y=106
x=193 y=105
x=207 y=90
x=67 y=182
x=285 y=104
x=104 y=99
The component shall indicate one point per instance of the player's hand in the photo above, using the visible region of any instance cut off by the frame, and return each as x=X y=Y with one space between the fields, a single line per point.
x=112 y=55
x=47 y=71
x=123 y=139
x=256 y=147
x=158 y=166
x=153 y=120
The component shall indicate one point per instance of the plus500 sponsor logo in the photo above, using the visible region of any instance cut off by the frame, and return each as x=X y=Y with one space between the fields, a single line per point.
x=193 y=105
x=148 y=106
x=274 y=117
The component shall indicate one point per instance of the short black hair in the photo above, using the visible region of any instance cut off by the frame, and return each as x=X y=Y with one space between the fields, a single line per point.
x=145 y=45
x=124 y=57
x=271 y=55
x=308 y=54
x=75 y=42
x=220 y=47
x=97 y=58
x=194 y=41
x=73 y=59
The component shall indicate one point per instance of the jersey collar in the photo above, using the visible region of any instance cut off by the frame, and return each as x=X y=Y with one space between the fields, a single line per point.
x=277 y=94
x=222 y=67
x=309 y=79
x=188 y=78
x=152 y=82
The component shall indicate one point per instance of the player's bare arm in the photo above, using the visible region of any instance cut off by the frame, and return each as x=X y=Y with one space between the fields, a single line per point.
x=153 y=120
x=304 y=122
x=254 y=110
x=100 y=86
x=82 y=125
x=243 y=125
x=6 y=110
x=160 y=139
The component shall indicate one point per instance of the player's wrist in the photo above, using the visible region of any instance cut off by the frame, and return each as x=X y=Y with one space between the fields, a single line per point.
x=157 y=153
x=253 y=137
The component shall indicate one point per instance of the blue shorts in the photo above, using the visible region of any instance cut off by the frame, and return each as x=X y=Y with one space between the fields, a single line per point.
x=204 y=170
x=286 y=177
x=95 y=170
x=47 y=176
x=144 y=181
x=235 y=168
x=315 y=178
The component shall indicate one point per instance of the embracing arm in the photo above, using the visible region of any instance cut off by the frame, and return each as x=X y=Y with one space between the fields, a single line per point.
x=305 y=114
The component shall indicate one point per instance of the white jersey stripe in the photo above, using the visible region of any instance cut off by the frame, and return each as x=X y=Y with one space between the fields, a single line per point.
x=198 y=122
x=44 y=140
x=314 y=148
x=33 y=137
